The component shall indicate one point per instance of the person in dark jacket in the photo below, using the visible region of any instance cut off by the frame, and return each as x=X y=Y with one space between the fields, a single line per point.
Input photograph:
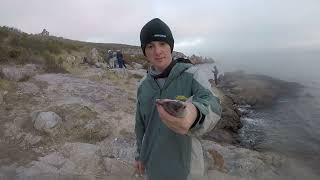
x=168 y=146
x=120 y=59
x=215 y=73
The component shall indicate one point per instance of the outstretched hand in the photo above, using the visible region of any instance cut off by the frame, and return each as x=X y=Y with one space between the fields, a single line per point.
x=178 y=125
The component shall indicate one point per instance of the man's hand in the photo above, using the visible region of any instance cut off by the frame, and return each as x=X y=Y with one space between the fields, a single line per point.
x=139 y=167
x=179 y=125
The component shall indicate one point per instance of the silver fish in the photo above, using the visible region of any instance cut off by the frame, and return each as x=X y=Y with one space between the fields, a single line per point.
x=175 y=108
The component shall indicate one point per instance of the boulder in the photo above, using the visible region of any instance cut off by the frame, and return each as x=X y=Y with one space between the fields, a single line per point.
x=120 y=148
x=18 y=74
x=136 y=65
x=93 y=56
x=226 y=129
x=46 y=121
x=118 y=168
x=76 y=161
x=240 y=162
x=83 y=159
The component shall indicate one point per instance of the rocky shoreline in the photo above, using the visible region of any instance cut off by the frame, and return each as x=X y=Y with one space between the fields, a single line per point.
x=81 y=125
x=238 y=89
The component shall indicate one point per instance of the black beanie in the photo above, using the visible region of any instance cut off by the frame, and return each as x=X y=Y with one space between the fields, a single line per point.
x=155 y=30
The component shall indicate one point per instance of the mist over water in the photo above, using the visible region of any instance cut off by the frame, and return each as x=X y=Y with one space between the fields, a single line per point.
x=298 y=66
x=292 y=126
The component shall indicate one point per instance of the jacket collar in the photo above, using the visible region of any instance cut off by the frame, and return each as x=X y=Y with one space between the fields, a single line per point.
x=171 y=72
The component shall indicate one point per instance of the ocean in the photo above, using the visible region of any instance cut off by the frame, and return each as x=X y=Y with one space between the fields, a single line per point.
x=290 y=127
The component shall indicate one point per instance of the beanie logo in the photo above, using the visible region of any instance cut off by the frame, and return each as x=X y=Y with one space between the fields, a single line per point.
x=160 y=35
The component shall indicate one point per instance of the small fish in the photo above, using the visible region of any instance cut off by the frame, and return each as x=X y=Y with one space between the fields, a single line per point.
x=175 y=108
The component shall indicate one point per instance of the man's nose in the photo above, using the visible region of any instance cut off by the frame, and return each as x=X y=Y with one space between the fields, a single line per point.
x=157 y=50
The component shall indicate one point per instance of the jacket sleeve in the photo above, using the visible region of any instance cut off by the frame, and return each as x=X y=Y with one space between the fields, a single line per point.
x=139 y=130
x=207 y=103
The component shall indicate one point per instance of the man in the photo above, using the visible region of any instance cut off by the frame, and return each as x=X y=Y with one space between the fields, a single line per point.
x=215 y=73
x=167 y=146
x=110 y=58
x=114 y=59
x=121 y=64
x=120 y=59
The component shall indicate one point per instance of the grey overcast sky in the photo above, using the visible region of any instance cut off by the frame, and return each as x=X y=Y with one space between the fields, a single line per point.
x=200 y=27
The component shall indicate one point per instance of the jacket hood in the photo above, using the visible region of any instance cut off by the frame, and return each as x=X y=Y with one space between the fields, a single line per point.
x=176 y=70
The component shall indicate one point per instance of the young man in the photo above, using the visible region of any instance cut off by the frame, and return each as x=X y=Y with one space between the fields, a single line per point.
x=167 y=146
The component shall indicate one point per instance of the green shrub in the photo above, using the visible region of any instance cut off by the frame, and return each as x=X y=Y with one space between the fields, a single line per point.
x=41 y=44
x=52 y=65
x=32 y=59
x=145 y=66
x=137 y=76
x=3 y=33
x=4 y=84
x=3 y=54
x=136 y=58
x=14 y=53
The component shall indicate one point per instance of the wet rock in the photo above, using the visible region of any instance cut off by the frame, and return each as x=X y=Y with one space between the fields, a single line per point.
x=256 y=90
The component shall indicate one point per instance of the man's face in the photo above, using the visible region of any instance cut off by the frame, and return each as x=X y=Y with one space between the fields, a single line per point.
x=159 y=54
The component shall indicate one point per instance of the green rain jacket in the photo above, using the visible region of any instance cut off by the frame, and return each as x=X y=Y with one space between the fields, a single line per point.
x=166 y=154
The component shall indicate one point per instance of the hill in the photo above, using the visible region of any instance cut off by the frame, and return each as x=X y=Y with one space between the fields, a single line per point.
x=21 y=48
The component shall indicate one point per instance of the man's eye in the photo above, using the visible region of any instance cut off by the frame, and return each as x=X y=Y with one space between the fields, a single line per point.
x=162 y=43
x=149 y=46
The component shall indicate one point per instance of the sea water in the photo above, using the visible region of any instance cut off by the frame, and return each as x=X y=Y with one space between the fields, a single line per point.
x=292 y=125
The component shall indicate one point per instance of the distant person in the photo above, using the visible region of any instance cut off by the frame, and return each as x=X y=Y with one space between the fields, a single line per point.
x=168 y=147
x=110 y=59
x=121 y=63
x=115 y=60
x=215 y=73
x=120 y=59
x=85 y=60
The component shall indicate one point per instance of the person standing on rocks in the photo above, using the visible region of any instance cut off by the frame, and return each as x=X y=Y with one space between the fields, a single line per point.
x=114 y=59
x=215 y=73
x=110 y=59
x=168 y=146
x=121 y=64
x=120 y=59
